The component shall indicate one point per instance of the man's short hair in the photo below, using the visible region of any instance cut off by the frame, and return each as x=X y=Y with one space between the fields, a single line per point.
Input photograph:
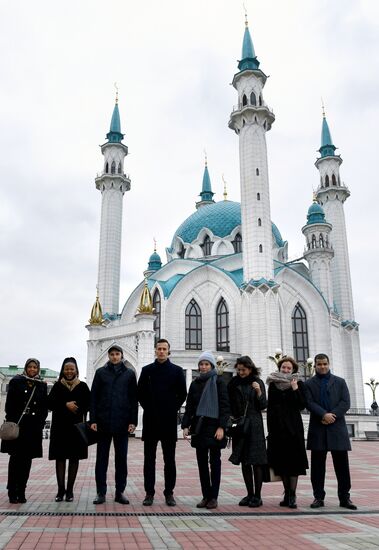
x=321 y=357
x=162 y=341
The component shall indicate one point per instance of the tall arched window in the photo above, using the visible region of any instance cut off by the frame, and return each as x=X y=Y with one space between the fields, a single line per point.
x=244 y=100
x=300 y=334
x=260 y=248
x=119 y=168
x=326 y=181
x=237 y=243
x=106 y=168
x=222 y=326
x=253 y=98
x=113 y=167
x=157 y=312
x=259 y=222
x=334 y=181
x=193 y=326
x=207 y=246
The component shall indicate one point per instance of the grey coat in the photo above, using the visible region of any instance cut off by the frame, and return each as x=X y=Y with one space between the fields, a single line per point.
x=331 y=437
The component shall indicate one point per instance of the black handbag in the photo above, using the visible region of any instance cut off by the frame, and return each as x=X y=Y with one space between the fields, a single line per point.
x=89 y=437
x=236 y=425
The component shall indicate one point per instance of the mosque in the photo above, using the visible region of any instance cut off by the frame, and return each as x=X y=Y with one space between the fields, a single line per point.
x=227 y=284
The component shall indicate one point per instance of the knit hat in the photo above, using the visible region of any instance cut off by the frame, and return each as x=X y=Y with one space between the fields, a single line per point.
x=207 y=356
x=115 y=347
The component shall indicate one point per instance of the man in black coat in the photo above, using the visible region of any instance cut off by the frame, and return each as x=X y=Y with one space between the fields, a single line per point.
x=328 y=400
x=114 y=413
x=161 y=393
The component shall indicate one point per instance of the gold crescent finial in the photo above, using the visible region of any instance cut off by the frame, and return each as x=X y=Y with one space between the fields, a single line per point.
x=225 y=191
x=155 y=244
x=96 y=311
x=116 y=87
x=323 y=107
x=205 y=157
x=314 y=196
x=246 y=21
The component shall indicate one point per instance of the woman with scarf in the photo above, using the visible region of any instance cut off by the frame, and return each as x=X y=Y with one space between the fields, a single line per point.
x=69 y=400
x=205 y=418
x=286 y=447
x=27 y=392
x=247 y=396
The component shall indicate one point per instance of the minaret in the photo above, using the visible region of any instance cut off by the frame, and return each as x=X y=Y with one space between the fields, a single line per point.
x=206 y=191
x=331 y=194
x=112 y=183
x=251 y=119
x=318 y=250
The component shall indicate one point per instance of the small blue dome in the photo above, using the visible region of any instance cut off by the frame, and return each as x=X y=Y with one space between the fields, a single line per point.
x=221 y=218
x=155 y=262
x=315 y=214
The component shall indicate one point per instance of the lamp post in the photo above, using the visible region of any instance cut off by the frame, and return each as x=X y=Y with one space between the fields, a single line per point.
x=373 y=385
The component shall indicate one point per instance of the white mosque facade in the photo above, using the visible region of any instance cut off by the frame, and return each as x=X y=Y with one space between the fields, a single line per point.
x=227 y=284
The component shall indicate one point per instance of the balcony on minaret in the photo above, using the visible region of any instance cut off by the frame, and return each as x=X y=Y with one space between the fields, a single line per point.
x=243 y=113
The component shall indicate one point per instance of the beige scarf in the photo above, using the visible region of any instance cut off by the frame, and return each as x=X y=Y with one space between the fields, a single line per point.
x=70 y=384
x=282 y=381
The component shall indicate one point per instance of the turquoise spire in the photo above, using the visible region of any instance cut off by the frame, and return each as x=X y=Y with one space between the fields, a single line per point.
x=114 y=135
x=316 y=213
x=249 y=59
x=327 y=148
x=206 y=191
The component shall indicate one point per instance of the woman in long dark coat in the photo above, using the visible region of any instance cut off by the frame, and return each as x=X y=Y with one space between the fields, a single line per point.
x=205 y=418
x=247 y=395
x=286 y=446
x=28 y=445
x=69 y=400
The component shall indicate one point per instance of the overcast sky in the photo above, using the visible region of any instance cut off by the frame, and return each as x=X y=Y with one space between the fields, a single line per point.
x=173 y=62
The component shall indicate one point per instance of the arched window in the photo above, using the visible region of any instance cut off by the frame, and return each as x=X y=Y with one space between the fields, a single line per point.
x=258 y=196
x=119 y=168
x=253 y=99
x=244 y=100
x=106 y=168
x=321 y=240
x=237 y=243
x=334 y=181
x=260 y=248
x=326 y=181
x=222 y=326
x=113 y=167
x=181 y=251
x=207 y=246
x=260 y=101
x=157 y=312
x=300 y=334
x=313 y=241
x=257 y=171
x=259 y=222
x=193 y=326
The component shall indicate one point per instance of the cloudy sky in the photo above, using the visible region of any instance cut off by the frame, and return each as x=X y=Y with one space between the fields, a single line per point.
x=173 y=62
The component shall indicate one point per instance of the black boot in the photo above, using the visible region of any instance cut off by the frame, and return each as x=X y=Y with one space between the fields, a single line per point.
x=284 y=502
x=292 y=500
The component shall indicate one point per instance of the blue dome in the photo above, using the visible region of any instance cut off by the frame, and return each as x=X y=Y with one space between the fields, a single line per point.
x=155 y=262
x=221 y=218
x=315 y=214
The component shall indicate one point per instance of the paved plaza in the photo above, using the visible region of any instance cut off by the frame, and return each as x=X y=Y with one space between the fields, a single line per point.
x=43 y=524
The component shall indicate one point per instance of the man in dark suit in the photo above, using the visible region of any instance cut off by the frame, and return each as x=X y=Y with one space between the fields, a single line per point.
x=161 y=393
x=113 y=412
x=328 y=400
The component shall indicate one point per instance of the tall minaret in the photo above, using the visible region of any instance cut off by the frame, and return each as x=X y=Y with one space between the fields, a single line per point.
x=318 y=250
x=331 y=194
x=206 y=190
x=251 y=119
x=112 y=183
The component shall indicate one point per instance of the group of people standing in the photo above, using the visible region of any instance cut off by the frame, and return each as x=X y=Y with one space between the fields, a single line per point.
x=212 y=408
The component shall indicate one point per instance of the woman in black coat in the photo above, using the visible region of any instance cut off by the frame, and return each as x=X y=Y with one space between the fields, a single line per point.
x=286 y=447
x=69 y=400
x=28 y=445
x=205 y=418
x=247 y=396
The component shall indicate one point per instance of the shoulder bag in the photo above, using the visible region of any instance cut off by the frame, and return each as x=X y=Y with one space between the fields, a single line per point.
x=11 y=430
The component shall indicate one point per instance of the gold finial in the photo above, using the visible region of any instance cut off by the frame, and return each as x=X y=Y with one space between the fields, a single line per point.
x=323 y=107
x=315 y=196
x=96 y=311
x=115 y=85
x=225 y=191
x=205 y=157
x=246 y=21
x=145 y=303
x=155 y=244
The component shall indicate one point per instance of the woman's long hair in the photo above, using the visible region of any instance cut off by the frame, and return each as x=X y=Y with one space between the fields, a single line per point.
x=247 y=362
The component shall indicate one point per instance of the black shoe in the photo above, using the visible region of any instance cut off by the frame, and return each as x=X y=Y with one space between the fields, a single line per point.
x=148 y=500
x=13 y=499
x=121 y=498
x=212 y=504
x=317 y=503
x=100 y=499
x=21 y=498
x=284 y=502
x=245 y=501
x=203 y=503
x=255 y=502
x=348 y=504
x=69 y=497
x=170 y=501
x=292 y=500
